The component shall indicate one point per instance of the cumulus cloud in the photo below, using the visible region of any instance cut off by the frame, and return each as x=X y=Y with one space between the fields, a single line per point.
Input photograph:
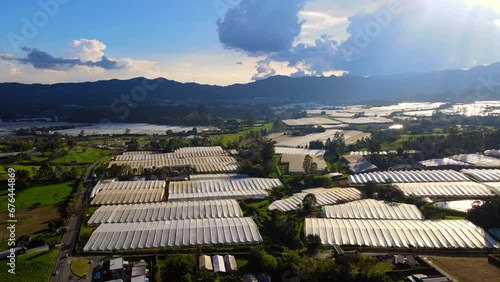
x=264 y=70
x=43 y=60
x=260 y=26
x=86 y=49
x=388 y=37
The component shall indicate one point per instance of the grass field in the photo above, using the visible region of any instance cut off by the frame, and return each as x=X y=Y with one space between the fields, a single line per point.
x=50 y=194
x=31 y=268
x=3 y=169
x=82 y=154
x=404 y=137
x=224 y=139
x=468 y=269
x=80 y=267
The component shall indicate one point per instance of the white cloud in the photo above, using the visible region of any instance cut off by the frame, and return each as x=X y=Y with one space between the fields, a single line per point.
x=86 y=49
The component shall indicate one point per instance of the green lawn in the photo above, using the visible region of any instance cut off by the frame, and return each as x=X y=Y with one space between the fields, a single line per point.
x=31 y=268
x=82 y=154
x=382 y=267
x=50 y=194
x=80 y=267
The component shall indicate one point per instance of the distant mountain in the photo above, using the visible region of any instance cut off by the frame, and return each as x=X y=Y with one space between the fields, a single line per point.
x=439 y=85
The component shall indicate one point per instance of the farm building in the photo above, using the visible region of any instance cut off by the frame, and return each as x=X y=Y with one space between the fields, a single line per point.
x=174 y=233
x=406 y=177
x=202 y=159
x=358 y=164
x=445 y=189
x=128 y=196
x=218 y=263
x=443 y=163
x=492 y=153
x=477 y=160
x=296 y=162
x=230 y=263
x=111 y=184
x=243 y=188
x=372 y=209
x=298 y=151
x=400 y=233
x=323 y=197
x=204 y=261
x=165 y=211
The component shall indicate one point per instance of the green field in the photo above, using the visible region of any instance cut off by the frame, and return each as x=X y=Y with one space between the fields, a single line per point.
x=224 y=139
x=404 y=137
x=50 y=194
x=80 y=154
x=3 y=169
x=31 y=268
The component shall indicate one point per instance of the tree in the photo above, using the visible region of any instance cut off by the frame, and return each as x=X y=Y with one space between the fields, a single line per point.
x=309 y=203
x=260 y=261
x=313 y=242
x=309 y=166
x=127 y=131
x=485 y=215
x=178 y=268
x=51 y=225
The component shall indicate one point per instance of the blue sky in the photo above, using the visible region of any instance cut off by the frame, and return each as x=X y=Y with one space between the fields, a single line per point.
x=236 y=41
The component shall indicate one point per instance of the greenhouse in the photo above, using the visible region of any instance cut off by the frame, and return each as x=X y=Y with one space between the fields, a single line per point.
x=372 y=209
x=323 y=197
x=445 y=189
x=126 y=185
x=400 y=233
x=298 y=151
x=406 y=177
x=483 y=175
x=128 y=196
x=166 y=211
x=239 y=188
x=175 y=233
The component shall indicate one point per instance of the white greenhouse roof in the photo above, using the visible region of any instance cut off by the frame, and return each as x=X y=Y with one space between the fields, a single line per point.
x=372 y=209
x=165 y=211
x=205 y=165
x=298 y=151
x=296 y=162
x=442 y=162
x=323 y=197
x=477 y=160
x=492 y=153
x=483 y=175
x=125 y=185
x=445 y=189
x=407 y=176
x=129 y=196
x=242 y=188
x=139 y=152
x=223 y=176
x=400 y=233
x=175 y=233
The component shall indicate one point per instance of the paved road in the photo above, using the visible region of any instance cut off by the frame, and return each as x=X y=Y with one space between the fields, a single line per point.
x=62 y=266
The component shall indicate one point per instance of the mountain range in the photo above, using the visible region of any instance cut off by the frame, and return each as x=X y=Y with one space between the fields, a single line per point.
x=477 y=83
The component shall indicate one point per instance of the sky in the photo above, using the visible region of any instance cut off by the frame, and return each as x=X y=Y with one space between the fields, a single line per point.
x=223 y=42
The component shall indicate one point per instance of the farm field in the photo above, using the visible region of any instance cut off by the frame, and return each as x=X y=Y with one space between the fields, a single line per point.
x=31 y=268
x=80 y=154
x=468 y=269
